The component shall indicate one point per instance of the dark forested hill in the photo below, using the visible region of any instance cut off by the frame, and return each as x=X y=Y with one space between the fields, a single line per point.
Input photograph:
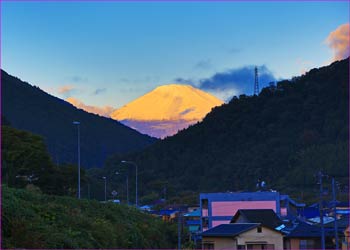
x=283 y=136
x=31 y=220
x=29 y=108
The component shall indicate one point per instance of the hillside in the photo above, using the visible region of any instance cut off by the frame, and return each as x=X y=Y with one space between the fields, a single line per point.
x=166 y=110
x=29 y=108
x=24 y=159
x=32 y=220
x=283 y=136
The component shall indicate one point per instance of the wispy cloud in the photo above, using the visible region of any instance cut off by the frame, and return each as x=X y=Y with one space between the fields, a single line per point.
x=185 y=81
x=338 y=40
x=77 y=79
x=240 y=78
x=66 y=90
x=203 y=64
x=232 y=82
x=99 y=91
x=234 y=50
x=103 y=111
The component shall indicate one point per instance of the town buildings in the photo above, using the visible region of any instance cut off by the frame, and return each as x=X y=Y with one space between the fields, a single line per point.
x=218 y=208
x=268 y=220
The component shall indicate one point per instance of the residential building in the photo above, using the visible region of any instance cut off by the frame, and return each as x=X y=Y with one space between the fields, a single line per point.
x=218 y=208
x=303 y=236
x=192 y=220
x=242 y=236
x=267 y=217
x=167 y=215
x=346 y=240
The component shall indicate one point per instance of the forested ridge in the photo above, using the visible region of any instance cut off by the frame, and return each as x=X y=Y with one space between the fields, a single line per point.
x=284 y=136
x=29 y=108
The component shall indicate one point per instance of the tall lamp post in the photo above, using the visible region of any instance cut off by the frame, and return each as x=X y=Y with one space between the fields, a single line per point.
x=78 y=126
x=320 y=176
x=104 y=177
x=127 y=187
x=134 y=164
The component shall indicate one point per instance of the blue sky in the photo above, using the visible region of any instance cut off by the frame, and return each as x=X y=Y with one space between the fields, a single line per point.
x=109 y=53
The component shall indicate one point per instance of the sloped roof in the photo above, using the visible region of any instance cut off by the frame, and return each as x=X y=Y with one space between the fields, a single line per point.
x=342 y=223
x=293 y=202
x=164 y=212
x=194 y=213
x=304 y=230
x=310 y=212
x=267 y=217
x=230 y=230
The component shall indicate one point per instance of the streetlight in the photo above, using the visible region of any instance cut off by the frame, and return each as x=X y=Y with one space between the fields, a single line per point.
x=134 y=164
x=127 y=187
x=78 y=126
x=320 y=175
x=104 y=177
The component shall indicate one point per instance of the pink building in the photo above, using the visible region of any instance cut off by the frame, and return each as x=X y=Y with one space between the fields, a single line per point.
x=219 y=208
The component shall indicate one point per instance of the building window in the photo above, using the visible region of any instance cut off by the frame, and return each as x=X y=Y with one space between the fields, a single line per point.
x=240 y=247
x=205 y=222
x=260 y=246
x=268 y=247
x=205 y=204
x=208 y=245
x=259 y=229
x=306 y=244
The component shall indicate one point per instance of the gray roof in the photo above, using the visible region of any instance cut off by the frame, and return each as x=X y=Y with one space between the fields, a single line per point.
x=267 y=217
x=230 y=230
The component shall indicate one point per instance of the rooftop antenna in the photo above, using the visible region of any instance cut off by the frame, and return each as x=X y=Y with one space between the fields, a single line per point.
x=256 y=83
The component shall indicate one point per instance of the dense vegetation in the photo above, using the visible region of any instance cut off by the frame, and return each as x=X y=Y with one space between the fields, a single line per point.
x=29 y=108
x=25 y=160
x=283 y=136
x=32 y=220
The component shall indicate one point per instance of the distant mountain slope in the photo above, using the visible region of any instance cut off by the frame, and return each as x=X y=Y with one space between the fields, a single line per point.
x=167 y=109
x=28 y=108
x=283 y=136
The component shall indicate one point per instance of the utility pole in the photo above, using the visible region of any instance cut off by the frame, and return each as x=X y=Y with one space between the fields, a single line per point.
x=89 y=194
x=335 y=214
x=320 y=176
x=179 y=231
x=135 y=165
x=78 y=126
x=105 y=179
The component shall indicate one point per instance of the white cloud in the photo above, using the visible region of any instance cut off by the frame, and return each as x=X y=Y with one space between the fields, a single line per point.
x=66 y=90
x=338 y=40
x=103 y=111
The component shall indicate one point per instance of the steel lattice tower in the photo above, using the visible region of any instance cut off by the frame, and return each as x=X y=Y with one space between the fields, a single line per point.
x=256 y=83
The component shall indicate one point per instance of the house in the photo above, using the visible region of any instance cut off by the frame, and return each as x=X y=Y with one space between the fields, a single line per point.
x=146 y=208
x=267 y=217
x=312 y=211
x=167 y=215
x=342 y=226
x=192 y=220
x=303 y=236
x=346 y=240
x=242 y=236
x=218 y=208
x=306 y=236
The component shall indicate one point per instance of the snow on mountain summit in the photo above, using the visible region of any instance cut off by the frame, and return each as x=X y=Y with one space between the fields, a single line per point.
x=171 y=102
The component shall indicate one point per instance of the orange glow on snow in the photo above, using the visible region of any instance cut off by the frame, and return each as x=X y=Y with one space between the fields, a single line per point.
x=169 y=102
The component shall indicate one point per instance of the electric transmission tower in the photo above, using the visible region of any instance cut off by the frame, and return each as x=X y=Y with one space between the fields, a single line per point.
x=256 y=83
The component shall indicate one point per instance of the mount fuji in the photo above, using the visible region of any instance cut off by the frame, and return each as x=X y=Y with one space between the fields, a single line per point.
x=166 y=110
